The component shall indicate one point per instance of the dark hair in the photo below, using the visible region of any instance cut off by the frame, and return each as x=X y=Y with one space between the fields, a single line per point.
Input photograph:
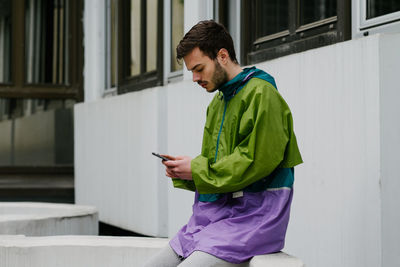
x=209 y=36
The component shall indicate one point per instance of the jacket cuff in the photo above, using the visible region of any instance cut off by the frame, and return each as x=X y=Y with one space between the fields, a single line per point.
x=199 y=166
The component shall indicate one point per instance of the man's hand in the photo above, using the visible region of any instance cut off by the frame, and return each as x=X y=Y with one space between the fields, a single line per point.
x=178 y=167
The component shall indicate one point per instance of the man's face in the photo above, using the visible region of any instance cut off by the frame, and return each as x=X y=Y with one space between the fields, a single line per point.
x=208 y=73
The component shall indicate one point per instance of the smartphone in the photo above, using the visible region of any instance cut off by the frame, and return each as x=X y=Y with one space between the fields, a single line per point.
x=161 y=157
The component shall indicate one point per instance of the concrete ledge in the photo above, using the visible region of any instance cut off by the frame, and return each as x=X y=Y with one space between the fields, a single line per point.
x=77 y=251
x=100 y=251
x=42 y=219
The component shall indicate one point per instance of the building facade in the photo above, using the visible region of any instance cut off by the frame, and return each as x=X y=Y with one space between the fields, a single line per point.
x=335 y=63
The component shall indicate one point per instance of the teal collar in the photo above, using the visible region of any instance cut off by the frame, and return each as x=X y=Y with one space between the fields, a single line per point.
x=232 y=87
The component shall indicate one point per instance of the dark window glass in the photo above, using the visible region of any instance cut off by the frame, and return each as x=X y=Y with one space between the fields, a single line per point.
x=139 y=44
x=5 y=41
x=376 y=8
x=113 y=42
x=151 y=35
x=142 y=48
x=315 y=10
x=271 y=17
x=46 y=41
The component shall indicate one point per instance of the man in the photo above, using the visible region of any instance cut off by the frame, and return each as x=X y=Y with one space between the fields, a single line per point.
x=243 y=178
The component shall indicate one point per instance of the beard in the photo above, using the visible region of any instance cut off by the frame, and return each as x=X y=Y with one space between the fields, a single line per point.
x=219 y=77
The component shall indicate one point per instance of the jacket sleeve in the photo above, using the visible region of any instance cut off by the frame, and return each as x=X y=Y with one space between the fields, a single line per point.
x=183 y=184
x=264 y=128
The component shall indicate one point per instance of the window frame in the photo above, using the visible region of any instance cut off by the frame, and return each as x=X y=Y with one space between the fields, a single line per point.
x=110 y=90
x=144 y=79
x=361 y=26
x=297 y=38
x=18 y=87
x=169 y=75
x=377 y=21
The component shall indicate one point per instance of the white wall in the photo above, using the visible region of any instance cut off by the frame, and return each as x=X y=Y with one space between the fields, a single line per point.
x=334 y=96
x=389 y=58
x=343 y=101
x=114 y=168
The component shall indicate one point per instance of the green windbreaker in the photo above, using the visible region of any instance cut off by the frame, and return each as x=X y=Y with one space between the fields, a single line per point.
x=247 y=136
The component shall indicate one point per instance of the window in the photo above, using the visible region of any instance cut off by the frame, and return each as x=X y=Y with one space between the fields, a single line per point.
x=375 y=13
x=227 y=12
x=134 y=44
x=111 y=29
x=5 y=41
x=377 y=8
x=177 y=16
x=41 y=53
x=274 y=28
x=173 y=33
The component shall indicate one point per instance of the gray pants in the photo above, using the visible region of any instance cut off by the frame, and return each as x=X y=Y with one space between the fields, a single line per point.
x=168 y=258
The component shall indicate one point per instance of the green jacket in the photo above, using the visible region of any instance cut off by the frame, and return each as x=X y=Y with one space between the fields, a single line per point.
x=248 y=134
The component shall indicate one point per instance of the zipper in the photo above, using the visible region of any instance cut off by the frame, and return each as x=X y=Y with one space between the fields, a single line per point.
x=248 y=76
x=220 y=130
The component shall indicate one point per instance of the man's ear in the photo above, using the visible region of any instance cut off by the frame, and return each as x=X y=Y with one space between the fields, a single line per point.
x=223 y=56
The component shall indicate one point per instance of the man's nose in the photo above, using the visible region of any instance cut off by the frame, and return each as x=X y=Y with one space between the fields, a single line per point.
x=196 y=77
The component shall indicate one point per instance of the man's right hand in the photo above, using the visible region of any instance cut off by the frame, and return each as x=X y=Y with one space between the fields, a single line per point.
x=178 y=167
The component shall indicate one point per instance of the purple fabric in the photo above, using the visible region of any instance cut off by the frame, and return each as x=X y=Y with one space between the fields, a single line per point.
x=236 y=229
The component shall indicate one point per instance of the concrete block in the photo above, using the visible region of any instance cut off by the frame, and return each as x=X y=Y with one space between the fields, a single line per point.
x=77 y=251
x=43 y=219
x=100 y=251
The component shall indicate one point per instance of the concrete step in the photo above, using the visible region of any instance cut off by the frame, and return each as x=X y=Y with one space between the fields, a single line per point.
x=100 y=251
x=44 y=219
